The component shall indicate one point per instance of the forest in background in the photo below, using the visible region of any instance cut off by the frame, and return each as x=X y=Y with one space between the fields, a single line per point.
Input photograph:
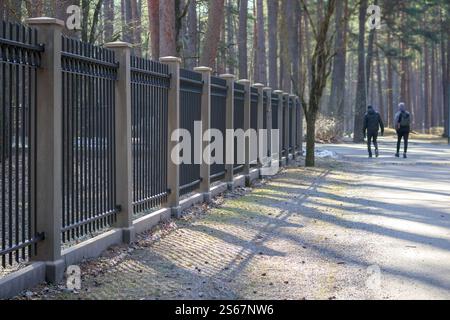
x=273 y=42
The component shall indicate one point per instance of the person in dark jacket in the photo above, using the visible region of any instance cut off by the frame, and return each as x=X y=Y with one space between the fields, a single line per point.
x=372 y=125
x=402 y=123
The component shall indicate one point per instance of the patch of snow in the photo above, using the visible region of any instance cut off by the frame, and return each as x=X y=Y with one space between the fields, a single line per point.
x=326 y=154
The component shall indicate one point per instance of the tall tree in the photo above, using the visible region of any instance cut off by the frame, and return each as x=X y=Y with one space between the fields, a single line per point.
x=320 y=71
x=108 y=13
x=167 y=35
x=360 y=106
x=294 y=45
x=272 y=9
x=285 y=32
x=337 y=97
x=242 y=39
x=380 y=85
x=154 y=26
x=135 y=7
x=230 y=38
x=212 y=37
x=261 y=68
x=369 y=59
x=191 y=54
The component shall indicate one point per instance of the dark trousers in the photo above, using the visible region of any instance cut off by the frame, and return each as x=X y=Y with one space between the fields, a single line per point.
x=402 y=133
x=372 y=137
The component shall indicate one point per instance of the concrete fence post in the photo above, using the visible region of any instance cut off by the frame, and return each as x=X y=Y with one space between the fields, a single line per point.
x=173 y=169
x=279 y=93
x=293 y=135
x=300 y=127
x=247 y=125
x=124 y=158
x=205 y=184
x=229 y=167
x=286 y=127
x=268 y=116
x=260 y=121
x=48 y=169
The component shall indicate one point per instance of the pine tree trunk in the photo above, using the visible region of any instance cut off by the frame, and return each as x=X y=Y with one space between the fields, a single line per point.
x=261 y=44
x=153 y=14
x=380 y=87
x=427 y=88
x=230 y=38
x=434 y=95
x=212 y=37
x=137 y=23
x=337 y=98
x=360 y=106
x=242 y=39
x=294 y=47
x=272 y=8
x=285 y=36
x=108 y=12
x=390 y=87
x=167 y=36
x=446 y=71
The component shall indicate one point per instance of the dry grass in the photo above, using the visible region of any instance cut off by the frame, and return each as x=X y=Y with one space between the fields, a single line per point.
x=435 y=135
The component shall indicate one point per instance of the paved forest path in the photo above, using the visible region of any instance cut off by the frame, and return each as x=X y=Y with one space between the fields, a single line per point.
x=354 y=229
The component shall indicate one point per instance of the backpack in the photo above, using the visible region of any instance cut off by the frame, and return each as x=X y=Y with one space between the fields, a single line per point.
x=405 y=119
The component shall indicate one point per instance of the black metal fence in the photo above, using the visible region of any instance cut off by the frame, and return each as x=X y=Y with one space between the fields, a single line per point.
x=191 y=87
x=239 y=102
x=275 y=111
x=89 y=75
x=88 y=102
x=19 y=60
x=265 y=102
x=150 y=82
x=218 y=121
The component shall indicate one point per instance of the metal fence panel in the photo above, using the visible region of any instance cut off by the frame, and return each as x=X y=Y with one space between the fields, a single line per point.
x=89 y=192
x=218 y=120
x=150 y=83
x=265 y=102
x=275 y=111
x=191 y=86
x=19 y=60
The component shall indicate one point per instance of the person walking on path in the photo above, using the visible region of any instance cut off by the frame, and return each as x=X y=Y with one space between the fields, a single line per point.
x=372 y=125
x=402 y=123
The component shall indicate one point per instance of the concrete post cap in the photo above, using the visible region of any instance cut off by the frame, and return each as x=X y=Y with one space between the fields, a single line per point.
x=293 y=96
x=267 y=89
x=286 y=94
x=203 y=69
x=278 y=92
x=169 y=59
x=244 y=81
x=227 y=76
x=258 y=85
x=117 y=44
x=45 y=21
